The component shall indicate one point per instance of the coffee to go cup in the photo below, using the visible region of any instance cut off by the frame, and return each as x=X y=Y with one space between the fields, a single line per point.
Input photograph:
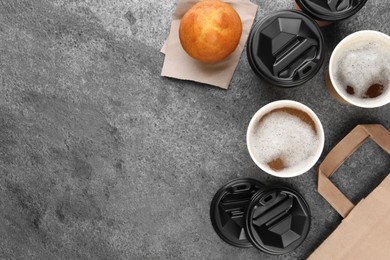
x=359 y=70
x=330 y=11
x=285 y=138
x=286 y=48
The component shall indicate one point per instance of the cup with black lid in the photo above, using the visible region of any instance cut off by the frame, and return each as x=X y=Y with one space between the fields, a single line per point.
x=286 y=48
x=328 y=12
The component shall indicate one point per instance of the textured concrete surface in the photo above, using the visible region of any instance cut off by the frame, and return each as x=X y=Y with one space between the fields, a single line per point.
x=101 y=158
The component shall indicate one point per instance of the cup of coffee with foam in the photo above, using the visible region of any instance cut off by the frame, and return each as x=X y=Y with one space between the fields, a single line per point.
x=285 y=138
x=359 y=70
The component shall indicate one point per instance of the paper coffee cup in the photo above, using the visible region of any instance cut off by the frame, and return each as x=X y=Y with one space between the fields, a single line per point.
x=351 y=81
x=286 y=48
x=285 y=138
x=328 y=12
x=319 y=22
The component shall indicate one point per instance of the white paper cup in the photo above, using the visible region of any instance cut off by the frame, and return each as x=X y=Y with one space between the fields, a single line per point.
x=335 y=89
x=304 y=166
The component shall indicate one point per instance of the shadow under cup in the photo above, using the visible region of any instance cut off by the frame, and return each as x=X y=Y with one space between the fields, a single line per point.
x=285 y=133
x=356 y=45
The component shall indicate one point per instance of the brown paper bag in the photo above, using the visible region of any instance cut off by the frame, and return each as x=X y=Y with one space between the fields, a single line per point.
x=365 y=231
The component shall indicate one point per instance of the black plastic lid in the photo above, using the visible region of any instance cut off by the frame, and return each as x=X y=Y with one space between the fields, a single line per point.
x=277 y=220
x=331 y=10
x=286 y=48
x=228 y=207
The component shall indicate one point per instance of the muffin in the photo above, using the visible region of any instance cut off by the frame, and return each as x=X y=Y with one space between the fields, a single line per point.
x=210 y=31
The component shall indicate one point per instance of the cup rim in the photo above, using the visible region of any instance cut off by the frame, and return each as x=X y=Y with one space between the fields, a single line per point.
x=283 y=103
x=331 y=60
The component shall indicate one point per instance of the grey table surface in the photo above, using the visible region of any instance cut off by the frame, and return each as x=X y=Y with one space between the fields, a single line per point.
x=102 y=158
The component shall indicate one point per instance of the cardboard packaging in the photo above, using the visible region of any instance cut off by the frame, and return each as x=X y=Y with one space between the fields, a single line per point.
x=365 y=231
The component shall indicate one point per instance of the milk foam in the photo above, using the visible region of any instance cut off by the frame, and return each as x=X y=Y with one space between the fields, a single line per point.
x=362 y=65
x=285 y=136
